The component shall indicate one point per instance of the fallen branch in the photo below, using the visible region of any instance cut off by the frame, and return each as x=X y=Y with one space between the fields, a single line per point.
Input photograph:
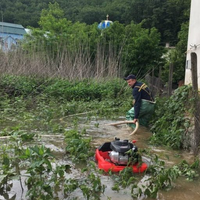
x=4 y=137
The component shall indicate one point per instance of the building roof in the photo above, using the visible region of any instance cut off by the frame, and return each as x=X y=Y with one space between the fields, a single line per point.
x=12 y=28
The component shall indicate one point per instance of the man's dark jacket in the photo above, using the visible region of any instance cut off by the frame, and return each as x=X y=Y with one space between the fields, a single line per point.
x=140 y=91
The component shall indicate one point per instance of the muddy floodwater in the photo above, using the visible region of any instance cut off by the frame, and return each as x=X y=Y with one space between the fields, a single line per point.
x=183 y=189
x=101 y=132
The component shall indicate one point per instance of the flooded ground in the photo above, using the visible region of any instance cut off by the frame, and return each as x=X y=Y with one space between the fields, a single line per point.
x=102 y=132
x=183 y=189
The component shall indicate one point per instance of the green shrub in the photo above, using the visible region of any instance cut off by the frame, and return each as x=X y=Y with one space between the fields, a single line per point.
x=172 y=118
x=84 y=90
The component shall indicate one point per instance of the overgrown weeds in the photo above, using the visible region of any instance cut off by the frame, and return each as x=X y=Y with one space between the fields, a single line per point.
x=44 y=177
x=173 y=119
x=54 y=108
x=29 y=109
x=157 y=177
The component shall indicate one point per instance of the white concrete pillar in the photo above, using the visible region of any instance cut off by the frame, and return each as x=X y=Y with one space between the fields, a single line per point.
x=193 y=45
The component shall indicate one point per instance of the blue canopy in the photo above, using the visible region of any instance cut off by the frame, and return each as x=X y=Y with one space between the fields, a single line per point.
x=105 y=24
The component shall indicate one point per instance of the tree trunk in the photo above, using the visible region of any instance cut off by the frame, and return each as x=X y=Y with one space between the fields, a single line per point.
x=171 y=66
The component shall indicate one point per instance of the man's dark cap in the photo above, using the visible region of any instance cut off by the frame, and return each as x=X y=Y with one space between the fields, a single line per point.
x=131 y=76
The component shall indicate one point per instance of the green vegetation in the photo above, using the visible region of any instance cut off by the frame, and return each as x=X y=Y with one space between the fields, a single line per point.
x=131 y=47
x=67 y=40
x=167 y=16
x=67 y=67
x=173 y=119
x=39 y=108
x=158 y=177
x=30 y=102
x=78 y=145
x=44 y=178
x=63 y=89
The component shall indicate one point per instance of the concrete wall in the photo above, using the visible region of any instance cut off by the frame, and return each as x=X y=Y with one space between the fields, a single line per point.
x=193 y=41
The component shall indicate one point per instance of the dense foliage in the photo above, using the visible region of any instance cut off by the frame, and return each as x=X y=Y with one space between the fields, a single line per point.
x=131 y=48
x=85 y=90
x=69 y=36
x=64 y=97
x=173 y=119
x=167 y=16
x=177 y=56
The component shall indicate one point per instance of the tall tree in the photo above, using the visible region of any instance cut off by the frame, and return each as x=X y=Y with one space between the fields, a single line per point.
x=142 y=52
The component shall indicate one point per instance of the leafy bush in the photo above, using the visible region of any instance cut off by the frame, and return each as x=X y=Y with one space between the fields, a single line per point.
x=20 y=85
x=78 y=146
x=172 y=118
x=84 y=90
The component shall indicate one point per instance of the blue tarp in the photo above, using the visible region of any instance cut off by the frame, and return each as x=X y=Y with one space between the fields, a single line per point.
x=105 y=24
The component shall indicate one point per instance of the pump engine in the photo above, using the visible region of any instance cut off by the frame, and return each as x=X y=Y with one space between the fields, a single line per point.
x=123 y=152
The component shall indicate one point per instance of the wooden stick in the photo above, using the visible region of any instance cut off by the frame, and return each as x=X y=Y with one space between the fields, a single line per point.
x=5 y=137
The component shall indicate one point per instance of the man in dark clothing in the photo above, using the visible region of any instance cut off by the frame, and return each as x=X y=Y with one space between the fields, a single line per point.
x=144 y=102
